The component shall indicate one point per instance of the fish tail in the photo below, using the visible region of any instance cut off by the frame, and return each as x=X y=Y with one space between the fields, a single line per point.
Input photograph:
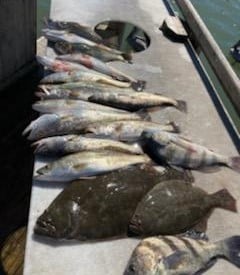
x=144 y=114
x=182 y=106
x=231 y=249
x=225 y=200
x=234 y=163
x=127 y=57
x=138 y=85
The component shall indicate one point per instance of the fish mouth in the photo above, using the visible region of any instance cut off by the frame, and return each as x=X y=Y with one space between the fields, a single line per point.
x=44 y=227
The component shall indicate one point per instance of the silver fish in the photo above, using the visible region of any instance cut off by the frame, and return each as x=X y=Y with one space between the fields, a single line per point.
x=98 y=65
x=171 y=255
x=128 y=130
x=179 y=151
x=85 y=164
x=136 y=101
x=62 y=145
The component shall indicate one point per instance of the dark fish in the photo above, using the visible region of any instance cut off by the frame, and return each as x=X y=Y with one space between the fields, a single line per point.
x=101 y=207
x=173 y=207
x=179 y=151
x=63 y=47
x=171 y=255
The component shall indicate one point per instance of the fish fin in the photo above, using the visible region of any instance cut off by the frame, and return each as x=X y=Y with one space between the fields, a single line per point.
x=154 y=109
x=174 y=260
x=176 y=128
x=182 y=106
x=138 y=85
x=234 y=163
x=225 y=200
x=209 y=169
x=201 y=226
x=87 y=178
x=232 y=249
x=127 y=57
x=179 y=169
x=144 y=114
x=194 y=234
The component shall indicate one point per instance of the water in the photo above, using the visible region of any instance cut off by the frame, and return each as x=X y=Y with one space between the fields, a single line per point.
x=223 y=20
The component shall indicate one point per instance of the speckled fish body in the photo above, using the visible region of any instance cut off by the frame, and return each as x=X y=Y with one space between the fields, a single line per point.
x=76 y=28
x=59 y=65
x=54 y=125
x=136 y=101
x=70 y=106
x=76 y=76
x=156 y=213
x=62 y=47
x=87 y=164
x=127 y=130
x=170 y=255
x=62 y=145
x=77 y=90
x=99 y=66
x=100 y=207
x=178 y=151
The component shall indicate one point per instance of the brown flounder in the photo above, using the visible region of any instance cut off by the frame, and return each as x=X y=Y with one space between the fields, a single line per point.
x=101 y=207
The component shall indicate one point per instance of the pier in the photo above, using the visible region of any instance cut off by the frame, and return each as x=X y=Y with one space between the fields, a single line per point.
x=170 y=68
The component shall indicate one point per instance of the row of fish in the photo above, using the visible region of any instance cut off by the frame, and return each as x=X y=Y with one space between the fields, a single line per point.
x=97 y=120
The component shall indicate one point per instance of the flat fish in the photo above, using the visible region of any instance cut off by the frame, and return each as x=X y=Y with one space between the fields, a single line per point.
x=179 y=151
x=170 y=255
x=101 y=207
x=173 y=207
x=87 y=164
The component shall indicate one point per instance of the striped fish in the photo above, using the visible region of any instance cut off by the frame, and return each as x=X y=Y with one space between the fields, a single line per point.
x=171 y=255
x=179 y=151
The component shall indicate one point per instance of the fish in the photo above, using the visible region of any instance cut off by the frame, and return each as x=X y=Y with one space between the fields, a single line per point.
x=67 y=144
x=128 y=130
x=101 y=208
x=172 y=255
x=63 y=47
x=76 y=76
x=70 y=106
x=101 y=67
x=87 y=164
x=48 y=125
x=76 y=28
x=156 y=213
x=76 y=90
x=58 y=65
x=136 y=101
x=179 y=151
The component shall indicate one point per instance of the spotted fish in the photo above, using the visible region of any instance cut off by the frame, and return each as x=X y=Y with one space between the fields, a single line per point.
x=169 y=255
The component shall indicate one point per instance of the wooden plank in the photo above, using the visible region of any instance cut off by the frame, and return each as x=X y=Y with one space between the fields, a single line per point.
x=216 y=58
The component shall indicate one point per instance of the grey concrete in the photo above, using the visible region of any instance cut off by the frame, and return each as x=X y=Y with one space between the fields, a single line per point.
x=168 y=69
x=18 y=39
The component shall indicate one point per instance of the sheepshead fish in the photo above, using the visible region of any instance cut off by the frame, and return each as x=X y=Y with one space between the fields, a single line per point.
x=76 y=28
x=101 y=67
x=156 y=213
x=179 y=151
x=127 y=130
x=136 y=101
x=54 y=125
x=76 y=76
x=62 y=145
x=59 y=65
x=170 y=255
x=62 y=47
x=101 y=207
x=87 y=164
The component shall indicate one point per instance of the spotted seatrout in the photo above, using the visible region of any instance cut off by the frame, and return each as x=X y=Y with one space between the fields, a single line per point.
x=87 y=164
x=63 y=47
x=62 y=145
x=99 y=66
x=171 y=255
x=178 y=151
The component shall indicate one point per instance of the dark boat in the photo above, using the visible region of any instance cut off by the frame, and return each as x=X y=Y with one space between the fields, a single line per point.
x=235 y=51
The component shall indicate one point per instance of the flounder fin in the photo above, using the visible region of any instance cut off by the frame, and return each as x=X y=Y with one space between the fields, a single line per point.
x=234 y=163
x=225 y=200
x=174 y=260
x=182 y=106
x=138 y=85
x=232 y=249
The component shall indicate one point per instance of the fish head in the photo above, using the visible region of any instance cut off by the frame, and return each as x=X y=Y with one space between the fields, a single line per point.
x=142 y=262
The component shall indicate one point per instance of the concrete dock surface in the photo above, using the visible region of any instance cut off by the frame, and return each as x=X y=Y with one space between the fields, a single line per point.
x=170 y=69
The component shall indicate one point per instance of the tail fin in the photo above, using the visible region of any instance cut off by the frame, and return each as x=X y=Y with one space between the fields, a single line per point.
x=144 y=114
x=224 y=200
x=127 y=57
x=182 y=106
x=234 y=163
x=138 y=85
x=231 y=248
